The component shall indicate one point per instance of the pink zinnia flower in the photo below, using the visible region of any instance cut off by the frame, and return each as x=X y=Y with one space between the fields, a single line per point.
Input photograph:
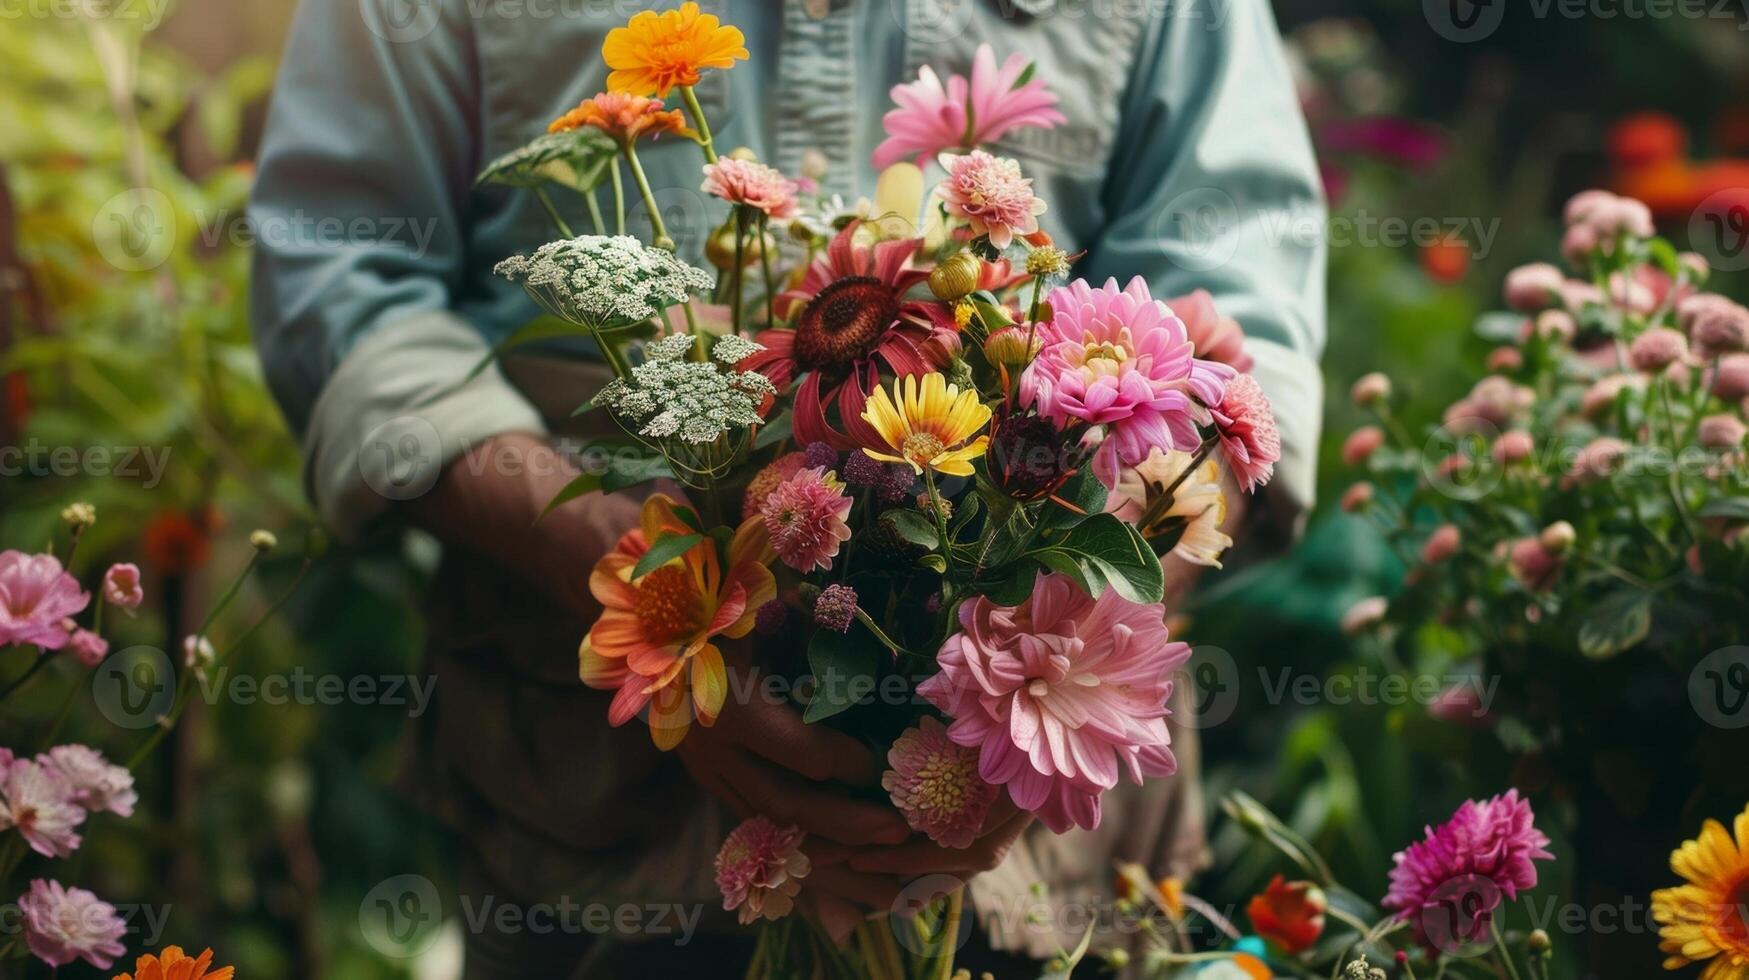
x=96 y=784
x=1534 y=288
x=38 y=802
x=931 y=117
x=87 y=647
x=934 y=782
x=805 y=516
x=1657 y=349
x=66 y=924
x=121 y=586
x=1249 y=439
x=1464 y=866
x=751 y=183
x=768 y=479
x=760 y=869
x=1060 y=694
x=1120 y=359
x=991 y=195
x=35 y=596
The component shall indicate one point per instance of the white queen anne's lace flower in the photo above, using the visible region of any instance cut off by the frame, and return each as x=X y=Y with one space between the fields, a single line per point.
x=604 y=282
x=694 y=401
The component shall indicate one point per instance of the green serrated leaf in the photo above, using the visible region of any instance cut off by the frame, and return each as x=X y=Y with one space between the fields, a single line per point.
x=1615 y=624
x=664 y=550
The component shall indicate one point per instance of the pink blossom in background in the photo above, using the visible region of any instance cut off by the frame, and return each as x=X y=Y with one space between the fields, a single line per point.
x=990 y=194
x=932 y=117
x=36 y=595
x=1060 y=695
x=1216 y=337
x=87 y=647
x=1464 y=866
x=751 y=183
x=97 y=785
x=1401 y=141
x=935 y=783
x=66 y=924
x=121 y=586
x=1250 y=440
x=38 y=802
x=760 y=870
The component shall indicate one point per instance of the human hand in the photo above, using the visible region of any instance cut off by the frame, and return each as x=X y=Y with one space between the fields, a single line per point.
x=1002 y=827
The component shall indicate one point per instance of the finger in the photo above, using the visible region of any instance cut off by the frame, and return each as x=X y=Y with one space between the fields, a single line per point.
x=922 y=857
x=788 y=799
x=838 y=917
x=870 y=892
x=819 y=752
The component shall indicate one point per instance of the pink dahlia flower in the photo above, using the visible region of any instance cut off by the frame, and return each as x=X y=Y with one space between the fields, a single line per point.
x=96 y=784
x=990 y=195
x=760 y=869
x=1215 y=336
x=37 y=801
x=1249 y=439
x=121 y=586
x=751 y=183
x=805 y=516
x=934 y=782
x=932 y=117
x=66 y=924
x=1120 y=359
x=35 y=596
x=1060 y=694
x=1464 y=866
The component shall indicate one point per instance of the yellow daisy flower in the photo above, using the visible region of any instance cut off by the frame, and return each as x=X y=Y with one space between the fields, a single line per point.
x=1705 y=921
x=926 y=422
x=654 y=52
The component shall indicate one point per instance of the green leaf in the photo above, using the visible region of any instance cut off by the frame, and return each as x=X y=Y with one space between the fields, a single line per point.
x=843 y=665
x=580 y=485
x=774 y=431
x=1102 y=551
x=623 y=473
x=1014 y=585
x=1664 y=254
x=914 y=526
x=1732 y=508
x=1615 y=624
x=664 y=550
x=1084 y=492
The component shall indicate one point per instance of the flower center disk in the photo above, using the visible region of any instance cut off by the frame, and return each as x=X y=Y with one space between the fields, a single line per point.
x=668 y=605
x=844 y=322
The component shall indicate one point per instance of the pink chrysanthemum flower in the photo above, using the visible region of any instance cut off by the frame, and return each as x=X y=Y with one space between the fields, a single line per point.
x=1464 y=866
x=931 y=117
x=35 y=596
x=121 y=586
x=991 y=195
x=935 y=784
x=767 y=480
x=760 y=870
x=1249 y=439
x=751 y=183
x=1060 y=694
x=66 y=924
x=1119 y=358
x=96 y=783
x=805 y=517
x=38 y=802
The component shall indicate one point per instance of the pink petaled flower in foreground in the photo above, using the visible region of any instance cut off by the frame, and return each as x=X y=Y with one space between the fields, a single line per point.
x=1120 y=359
x=96 y=784
x=121 y=586
x=1060 y=694
x=760 y=869
x=753 y=184
x=38 y=802
x=36 y=594
x=805 y=517
x=1464 y=866
x=66 y=924
x=935 y=784
x=991 y=195
x=1249 y=439
x=931 y=117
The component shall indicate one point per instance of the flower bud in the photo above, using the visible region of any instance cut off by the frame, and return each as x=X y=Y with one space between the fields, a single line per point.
x=1556 y=326
x=79 y=516
x=957 y=277
x=1009 y=346
x=1364 y=615
x=720 y=248
x=1513 y=447
x=1505 y=359
x=1357 y=498
x=1558 y=538
x=1361 y=444
x=1442 y=544
x=1538 y=941
x=1721 y=431
x=744 y=154
x=1534 y=287
x=1657 y=349
x=263 y=541
x=1370 y=389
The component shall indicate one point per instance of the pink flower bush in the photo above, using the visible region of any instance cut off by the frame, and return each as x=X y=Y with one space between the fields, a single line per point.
x=932 y=117
x=934 y=782
x=760 y=870
x=1119 y=358
x=751 y=183
x=805 y=517
x=1060 y=695
x=990 y=195
x=66 y=924
x=37 y=801
x=35 y=596
x=1249 y=437
x=1463 y=867
x=121 y=586
x=96 y=784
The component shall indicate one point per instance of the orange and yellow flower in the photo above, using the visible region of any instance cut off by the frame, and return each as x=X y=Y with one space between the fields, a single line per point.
x=1707 y=920
x=927 y=423
x=653 y=644
x=655 y=52
x=623 y=117
x=173 y=964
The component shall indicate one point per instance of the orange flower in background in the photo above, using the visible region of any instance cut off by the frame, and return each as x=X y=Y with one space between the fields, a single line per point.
x=654 y=52
x=652 y=644
x=1289 y=914
x=1447 y=259
x=1646 y=138
x=623 y=117
x=175 y=543
x=173 y=964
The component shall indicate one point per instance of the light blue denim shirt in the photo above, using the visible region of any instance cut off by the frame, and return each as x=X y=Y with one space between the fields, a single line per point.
x=1184 y=160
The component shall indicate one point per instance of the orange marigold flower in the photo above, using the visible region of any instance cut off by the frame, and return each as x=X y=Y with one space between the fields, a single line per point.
x=652 y=643
x=173 y=964
x=623 y=117
x=655 y=52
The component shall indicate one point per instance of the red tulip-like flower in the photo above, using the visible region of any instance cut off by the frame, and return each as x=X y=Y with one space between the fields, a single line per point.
x=1288 y=913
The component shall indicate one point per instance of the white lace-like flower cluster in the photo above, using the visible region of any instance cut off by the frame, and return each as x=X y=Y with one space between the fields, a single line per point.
x=604 y=282
x=696 y=401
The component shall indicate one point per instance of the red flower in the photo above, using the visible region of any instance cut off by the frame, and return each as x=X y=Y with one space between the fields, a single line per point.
x=1289 y=914
x=175 y=544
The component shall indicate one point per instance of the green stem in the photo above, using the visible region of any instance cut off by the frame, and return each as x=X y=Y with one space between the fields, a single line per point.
x=619 y=200
x=879 y=634
x=595 y=213
x=705 y=142
x=657 y=228
x=740 y=270
x=765 y=265
x=540 y=194
x=1500 y=948
x=41 y=658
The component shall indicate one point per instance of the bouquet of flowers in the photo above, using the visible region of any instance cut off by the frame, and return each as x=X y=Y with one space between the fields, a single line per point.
x=913 y=449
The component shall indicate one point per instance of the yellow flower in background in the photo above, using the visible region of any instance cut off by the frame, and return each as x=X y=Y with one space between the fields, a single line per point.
x=654 y=52
x=1707 y=920
x=926 y=422
x=173 y=964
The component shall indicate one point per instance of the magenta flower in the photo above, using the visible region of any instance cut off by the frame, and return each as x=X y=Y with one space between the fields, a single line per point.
x=805 y=517
x=66 y=924
x=87 y=647
x=96 y=784
x=751 y=183
x=35 y=596
x=1119 y=358
x=935 y=784
x=1249 y=439
x=1060 y=695
x=989 y=194
x=760 y=869
x=121 y=586
x=1464 y=866
x=931 y=117
x=38 y=802
x=835 y=608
